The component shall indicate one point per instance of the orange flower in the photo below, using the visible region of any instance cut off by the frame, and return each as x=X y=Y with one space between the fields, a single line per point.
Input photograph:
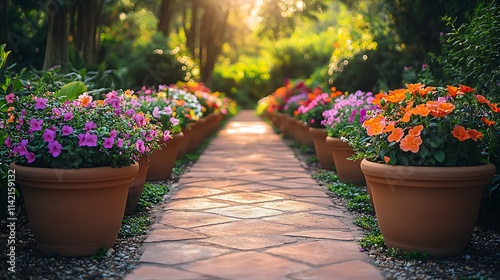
x=410 y=143
x=488 y=122
x=389 y=127
x=421 y=110
x=416 y=130
x=494 y=107
x=460 y=133
x=465 y=89
x=413 y=88
x=424 y=91
x=374 y=126
x=396 y=96
x=378 y=97
x=475 y=135
x=481 y=99
x=396 y=135
x=440 y=109
x=406 y=117
x=453 y=91
x=387 y=159
x=11 y=118
x=84 y=100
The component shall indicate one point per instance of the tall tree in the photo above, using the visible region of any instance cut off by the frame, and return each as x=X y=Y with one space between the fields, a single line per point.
x=56 y=52
x=85 y=20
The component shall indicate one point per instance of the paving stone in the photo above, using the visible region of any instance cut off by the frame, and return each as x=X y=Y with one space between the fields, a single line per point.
x=151 y=272
x=247 y=197
x=320 y=252
x=216 y=184
x=176 y=253
x=194 y=204
x=304 y=193
x=172 y=234
x=342 y=271
x=306 y=220
x=249 y=242
x=316 y=200
x=290 y=206
x=246 y=265
x=245 y=227
x=193 y=219
x=194 y=192
x=245 y=212
x=250 y=187
x=324 y=234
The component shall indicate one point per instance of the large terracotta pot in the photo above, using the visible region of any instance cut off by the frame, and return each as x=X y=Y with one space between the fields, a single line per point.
x=347 y=170
x=427 y=209
x=323 y=152
x=137 y=187
x=162 y=161
x=286 y=125
x=302 y=135
x=74 y=212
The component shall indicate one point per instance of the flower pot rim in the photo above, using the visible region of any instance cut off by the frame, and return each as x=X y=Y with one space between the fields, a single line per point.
x=434 y=173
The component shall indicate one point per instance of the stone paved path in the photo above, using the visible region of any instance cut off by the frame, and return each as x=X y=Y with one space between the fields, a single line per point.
x=249 y=210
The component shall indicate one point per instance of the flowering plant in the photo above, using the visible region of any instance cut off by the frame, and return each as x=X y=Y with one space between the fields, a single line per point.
x=209 y=101
x=311 y=112
x=293 y=103
x=44 y=131
x=430 y=126
x=347 y=111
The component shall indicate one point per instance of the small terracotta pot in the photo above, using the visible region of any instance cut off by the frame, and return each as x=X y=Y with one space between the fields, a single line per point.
x=162 y=161
x=74 y=212
x=137 y=186
x=303 y=136
x=323 y=152
x=427 y=209
x=347 y=170
x=195 y=137
x=181 y=151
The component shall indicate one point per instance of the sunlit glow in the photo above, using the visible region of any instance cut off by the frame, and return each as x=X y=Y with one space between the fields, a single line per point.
x=246 y=128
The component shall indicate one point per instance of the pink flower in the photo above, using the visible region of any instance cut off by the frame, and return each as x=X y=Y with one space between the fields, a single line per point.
x=108 y=142
x=130 y=112
x=35 y=125
x=119 y=143
x=139 y=119
x=139 y=146
x=10 y=98
x=89 y=126
x=151 y=135
x=56 y=112
x=87 y=139
x=113 y=133
x=166 y=135
x=167 y=110
x=40 y=103
x=174 y=121
x=49 y=135
x=30 y=157
x=54 y=148
x=156 y=112
x=66 y=130
x=8 y=142
x=68 y=116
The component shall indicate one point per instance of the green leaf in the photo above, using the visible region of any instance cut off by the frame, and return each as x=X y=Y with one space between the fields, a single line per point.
x=71 y=90
x=439 y=155
x=405 y=160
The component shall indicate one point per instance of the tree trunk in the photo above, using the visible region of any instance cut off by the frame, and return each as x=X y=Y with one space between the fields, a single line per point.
x=56 y=52
x=166 y=12
x=4 y=27
x=88 y=16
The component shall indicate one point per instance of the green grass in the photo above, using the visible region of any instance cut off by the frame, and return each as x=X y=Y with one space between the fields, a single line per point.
x=134 y=226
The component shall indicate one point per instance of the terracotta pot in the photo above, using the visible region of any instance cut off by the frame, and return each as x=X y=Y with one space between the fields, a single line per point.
x=286 y=125
x=195 y=137
x=181 y=150
x=161 y=162
x=427 y=209
x=137 y=186
x=74 y=212
x=323 y=152
x=347 y=170
x=303 y=136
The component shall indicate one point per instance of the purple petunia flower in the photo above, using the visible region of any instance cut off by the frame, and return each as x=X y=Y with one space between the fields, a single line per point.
x=156 y=112
x=68 y=116
x=40 y=103
x=8 y=142
x=35 y=125
x=108 y=142
x=55 y=148
x=119 y=143
x=30 y=157
x=167 y=110
x=89 y=126
x=66 y=130
x=174 y=121
x=49 y=135
x=166 y=135
x=139 y=146
x=10 y=98
x=87 y=139
x=113 y=133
